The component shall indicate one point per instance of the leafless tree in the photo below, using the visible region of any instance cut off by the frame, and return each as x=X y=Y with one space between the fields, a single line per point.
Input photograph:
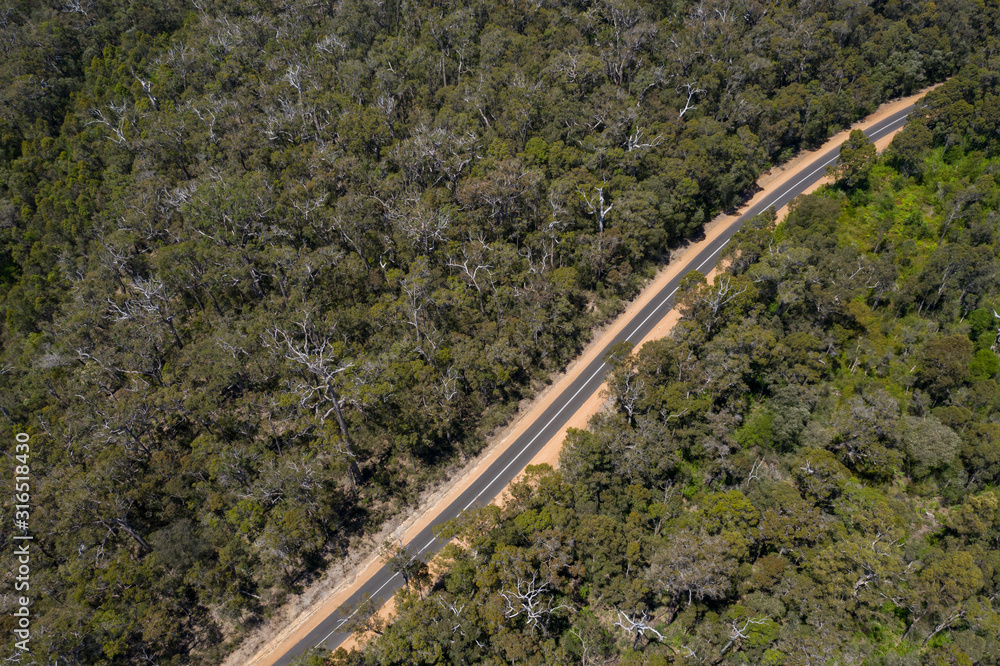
x=738 y=633
x=754 y=473
x=431 y=155
x=636 y=141
x=622 y=41
x=996 y=341
x=180 y=58
x=331 y=44
x=415 y=290
x=559 y=217
x=629 y=390
x=147 y=87
x=118 y=119
x=531 y=598
x=423 y=226
x=82 y=7
x=144 y=298
x=474 y=261
x=595 y=205
x=691 y=89
x=636 y=625
x=725 y=292
x=322 y=359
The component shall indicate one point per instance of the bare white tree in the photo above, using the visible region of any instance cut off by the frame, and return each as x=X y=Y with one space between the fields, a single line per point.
x=754 y=471
x=627 y=388
x=431 y=155
x=331 y=44
x=323 y=361
x=623 y=43
x=996 y=342
x=415 y=288
x=474 y=261
x=532 y=599
x=724 y=293
x=595 y=205
x=83 y=7
x=147 y=87
x=636 y=625
x=117 y=118
x=145 y=298
x=636 y=141
x=293 y=78
x=424 y=227
x=738 y=633
x=692 y=89
x=180 y=58
x=449 y=384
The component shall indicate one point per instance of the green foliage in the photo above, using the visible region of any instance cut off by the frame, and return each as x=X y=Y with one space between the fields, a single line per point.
x=930 y=444
x=908 y=148
x=857 y=157
x=758 y=432
x=945 y=364
x=984 y=365
x=807 y=471
x=268 y=269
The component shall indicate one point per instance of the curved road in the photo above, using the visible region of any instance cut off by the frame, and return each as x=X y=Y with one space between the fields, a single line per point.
x=495 y=478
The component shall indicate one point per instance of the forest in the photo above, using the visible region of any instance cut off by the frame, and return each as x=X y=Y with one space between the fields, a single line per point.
x=803 y=472
x=268 y=270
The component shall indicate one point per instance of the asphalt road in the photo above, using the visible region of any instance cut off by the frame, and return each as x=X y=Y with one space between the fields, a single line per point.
x=495 y=478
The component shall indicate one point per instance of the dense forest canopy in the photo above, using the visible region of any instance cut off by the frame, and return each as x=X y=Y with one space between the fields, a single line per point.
x=804 y=472
x=268 y=268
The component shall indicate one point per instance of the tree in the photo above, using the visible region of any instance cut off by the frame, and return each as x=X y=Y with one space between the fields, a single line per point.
x=636 y=625
x=867 y=434
x=183 y=184
x=930 y=445
x=399 y=560
x=527 y=592
x=595 y=205
x=944 y=365
x=857 y=157
x=323 y=363
x=691 y=565
x=908 y=147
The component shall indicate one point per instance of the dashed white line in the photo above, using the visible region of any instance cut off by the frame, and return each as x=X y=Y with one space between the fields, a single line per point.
x=339 y=624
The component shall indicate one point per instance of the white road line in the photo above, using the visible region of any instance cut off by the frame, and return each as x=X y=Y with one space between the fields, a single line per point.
x=669 y=296
x=811 y=174
x=554 y=417
x=714 y=253
x=641 y=324
x=339 y=624
x=822 y=166
x=334 y=630
x=778 y=198
x=601 y=367
x=705 y=261
x=897 y=120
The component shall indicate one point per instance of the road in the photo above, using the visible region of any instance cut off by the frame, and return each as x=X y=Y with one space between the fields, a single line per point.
x=495 y=478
